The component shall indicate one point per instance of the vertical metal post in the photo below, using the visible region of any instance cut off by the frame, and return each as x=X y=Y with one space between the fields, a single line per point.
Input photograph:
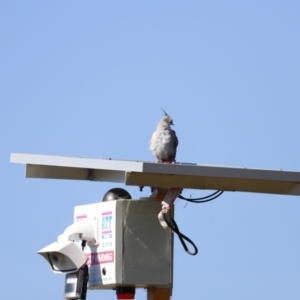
x=158 y=294
x=155 y=293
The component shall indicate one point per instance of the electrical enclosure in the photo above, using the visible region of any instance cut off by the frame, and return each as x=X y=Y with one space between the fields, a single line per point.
x=133 y=249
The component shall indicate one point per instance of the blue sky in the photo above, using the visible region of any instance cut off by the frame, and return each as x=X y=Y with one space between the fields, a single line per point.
x=88 y=78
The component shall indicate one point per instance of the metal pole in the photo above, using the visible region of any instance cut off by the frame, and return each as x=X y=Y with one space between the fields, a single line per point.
x=155 y=293
x=158 y=294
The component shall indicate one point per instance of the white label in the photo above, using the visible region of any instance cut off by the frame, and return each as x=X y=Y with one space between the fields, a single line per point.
x=101 y=259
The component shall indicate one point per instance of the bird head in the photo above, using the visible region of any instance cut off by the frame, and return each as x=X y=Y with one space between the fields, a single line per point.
x=167 y=119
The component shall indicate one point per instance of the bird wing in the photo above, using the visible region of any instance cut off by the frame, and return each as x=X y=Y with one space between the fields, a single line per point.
x=176 y=141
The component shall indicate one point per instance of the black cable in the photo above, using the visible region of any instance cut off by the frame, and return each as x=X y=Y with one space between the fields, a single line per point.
x=83 y=244
x=202 y=199
x=181 y=236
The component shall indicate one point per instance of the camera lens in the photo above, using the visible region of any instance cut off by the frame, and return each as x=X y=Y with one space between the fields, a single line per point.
x=55 y=257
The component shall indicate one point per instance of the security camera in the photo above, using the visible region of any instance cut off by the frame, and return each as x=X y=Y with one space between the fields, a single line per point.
x=65 y=255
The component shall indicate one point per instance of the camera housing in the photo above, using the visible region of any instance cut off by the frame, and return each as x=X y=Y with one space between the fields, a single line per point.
x=133 y=249
x=64 y=256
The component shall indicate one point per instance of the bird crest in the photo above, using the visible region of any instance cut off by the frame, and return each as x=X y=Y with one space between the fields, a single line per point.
x=165 y=112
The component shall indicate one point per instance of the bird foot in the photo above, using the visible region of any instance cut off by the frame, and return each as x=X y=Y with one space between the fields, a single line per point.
x=167 y=161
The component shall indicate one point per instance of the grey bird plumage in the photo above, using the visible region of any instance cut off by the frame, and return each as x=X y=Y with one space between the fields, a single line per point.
x=164 y=142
